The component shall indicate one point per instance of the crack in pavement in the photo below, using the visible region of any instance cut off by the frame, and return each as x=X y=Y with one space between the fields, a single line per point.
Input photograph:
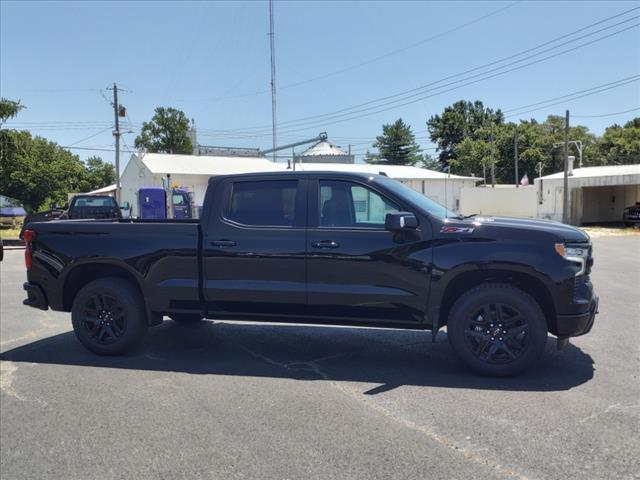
x=7 y=377
x=357 y=396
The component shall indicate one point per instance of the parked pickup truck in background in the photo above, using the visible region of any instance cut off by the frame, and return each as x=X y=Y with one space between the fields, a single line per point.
x=92 y=206
x=324 y=248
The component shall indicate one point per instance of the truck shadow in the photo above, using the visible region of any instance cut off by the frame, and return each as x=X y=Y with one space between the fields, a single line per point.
x=385 y=358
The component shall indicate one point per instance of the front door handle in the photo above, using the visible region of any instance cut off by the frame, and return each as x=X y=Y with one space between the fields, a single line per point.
x=223 y=243
x=325 y=244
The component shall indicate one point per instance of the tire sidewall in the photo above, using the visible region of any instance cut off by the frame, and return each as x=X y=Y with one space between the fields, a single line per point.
x=128 y=296
x=507 y=295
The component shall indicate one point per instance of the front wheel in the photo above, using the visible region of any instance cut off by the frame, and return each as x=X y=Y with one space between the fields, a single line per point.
x=497 y=329
x=108 y=316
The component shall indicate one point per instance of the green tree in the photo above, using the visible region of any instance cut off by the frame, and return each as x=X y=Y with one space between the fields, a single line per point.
x=620 y=145
x=36 y=171
x=396 y=146
x=167 y=132
x=98 y=173
x=9 y=109
x=463 y=119
x=430 y=163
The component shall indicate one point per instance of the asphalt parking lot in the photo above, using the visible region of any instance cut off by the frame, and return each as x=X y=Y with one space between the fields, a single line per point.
x=232 y=400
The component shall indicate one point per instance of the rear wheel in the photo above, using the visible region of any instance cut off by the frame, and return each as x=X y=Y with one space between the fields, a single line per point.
x=185 y=318
x=108 y=316
x=497 y=329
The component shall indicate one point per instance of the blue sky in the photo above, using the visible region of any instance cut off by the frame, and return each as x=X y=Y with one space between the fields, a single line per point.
x=211 y=59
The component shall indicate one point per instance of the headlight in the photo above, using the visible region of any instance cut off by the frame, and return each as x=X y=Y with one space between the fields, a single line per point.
x=577 y=255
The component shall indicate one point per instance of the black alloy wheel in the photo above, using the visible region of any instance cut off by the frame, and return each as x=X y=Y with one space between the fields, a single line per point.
x=497 y=333
x=104 y=318
x=108 y=316
x=497 y=329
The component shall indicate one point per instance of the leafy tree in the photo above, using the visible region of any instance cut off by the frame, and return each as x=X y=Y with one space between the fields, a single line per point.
x=396 y=146
x=99 y=173
x=463 y=119
x=9 y=109
x=469 y=136
x=430 y=163
x=167 y=132
x=37 y=171
x=620 y=145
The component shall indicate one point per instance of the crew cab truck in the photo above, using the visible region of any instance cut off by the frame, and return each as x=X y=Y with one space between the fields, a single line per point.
x=322 y=248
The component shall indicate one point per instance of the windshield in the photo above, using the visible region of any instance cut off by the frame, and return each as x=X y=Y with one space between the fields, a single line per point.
x=95 y=202
x=9 y=202
x=416 y=198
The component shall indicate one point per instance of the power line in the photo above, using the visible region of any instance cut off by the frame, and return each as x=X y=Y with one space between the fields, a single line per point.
x=363 y=63
x=87 y=138
x=607 y=114
x=574 y=98
x=571 y=94
x=424 y=88
x=400 y=50
x=394 y=105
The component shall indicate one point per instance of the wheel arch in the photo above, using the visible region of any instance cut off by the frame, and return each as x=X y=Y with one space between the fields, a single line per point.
x=526 y=282
x=85 y=273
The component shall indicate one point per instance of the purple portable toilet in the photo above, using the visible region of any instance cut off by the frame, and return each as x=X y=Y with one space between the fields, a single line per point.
x=152 y=202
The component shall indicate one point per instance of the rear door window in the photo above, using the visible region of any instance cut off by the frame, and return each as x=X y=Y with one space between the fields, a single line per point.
x=263 y=203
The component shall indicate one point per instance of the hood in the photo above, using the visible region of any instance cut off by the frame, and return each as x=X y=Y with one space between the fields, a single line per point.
x=562 y=231
x=559 y=230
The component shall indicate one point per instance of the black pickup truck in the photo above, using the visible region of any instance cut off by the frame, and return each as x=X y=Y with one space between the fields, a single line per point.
x=323 y=248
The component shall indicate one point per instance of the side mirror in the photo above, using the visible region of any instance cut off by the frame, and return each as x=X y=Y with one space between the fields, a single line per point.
x=125 y=206
x=400 y=221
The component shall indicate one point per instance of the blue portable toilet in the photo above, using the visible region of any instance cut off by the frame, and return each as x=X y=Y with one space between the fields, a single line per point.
x=152 y=202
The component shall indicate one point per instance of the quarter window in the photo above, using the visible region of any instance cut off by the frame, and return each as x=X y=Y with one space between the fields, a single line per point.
x=263 y=203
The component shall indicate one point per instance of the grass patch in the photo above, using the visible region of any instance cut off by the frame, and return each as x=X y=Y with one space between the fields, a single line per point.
x=9 y=232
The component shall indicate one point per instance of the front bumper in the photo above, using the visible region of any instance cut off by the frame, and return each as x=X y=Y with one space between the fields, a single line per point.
x=575 y=325
x=35 y=296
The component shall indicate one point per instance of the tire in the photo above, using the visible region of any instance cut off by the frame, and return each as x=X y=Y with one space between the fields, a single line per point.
x=481 y=342
x=185 y=318
x=108 y=316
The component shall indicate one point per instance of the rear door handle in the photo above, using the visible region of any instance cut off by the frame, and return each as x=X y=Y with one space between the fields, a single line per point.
x=325 y=244
x=223 y=243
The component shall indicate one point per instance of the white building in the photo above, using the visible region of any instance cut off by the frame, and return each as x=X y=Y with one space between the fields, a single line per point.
x=440 y=187
x=325 y=152
x=596 y=194
x=193 y=172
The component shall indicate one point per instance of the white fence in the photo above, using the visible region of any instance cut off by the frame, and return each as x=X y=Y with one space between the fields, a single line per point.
x=503 y=200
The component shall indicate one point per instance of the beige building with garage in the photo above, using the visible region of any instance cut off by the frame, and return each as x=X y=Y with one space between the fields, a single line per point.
x=596 y=194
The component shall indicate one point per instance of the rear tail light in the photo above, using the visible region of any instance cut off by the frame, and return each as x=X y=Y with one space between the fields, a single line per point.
x=29 y=236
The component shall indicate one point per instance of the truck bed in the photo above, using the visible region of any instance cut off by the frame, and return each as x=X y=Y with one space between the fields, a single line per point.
x=150 y=249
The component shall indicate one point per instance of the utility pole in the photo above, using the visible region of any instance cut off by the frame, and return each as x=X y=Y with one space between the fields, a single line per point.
x=493 y=166
x=565 y=198
x=273 y=84
x=116 y=134
x=515 y=147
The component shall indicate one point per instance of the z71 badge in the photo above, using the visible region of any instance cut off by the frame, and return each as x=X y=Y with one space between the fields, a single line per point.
x=450 y=229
